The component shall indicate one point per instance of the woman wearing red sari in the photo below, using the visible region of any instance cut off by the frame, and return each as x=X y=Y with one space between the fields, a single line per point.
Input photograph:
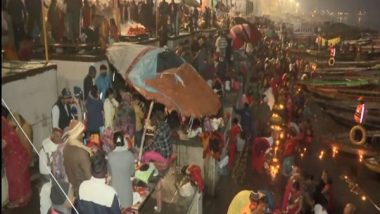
x=259 y=146
x=16 y=158
x=294 y=200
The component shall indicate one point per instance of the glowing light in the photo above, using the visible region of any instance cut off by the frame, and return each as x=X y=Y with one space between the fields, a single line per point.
x=335 y=151
x=364 y=198
x=281 y=106
x=321 y=155
x=282 y=135
x=277 y=142
x=360 y=156
x=301 y=155
x=274 y=170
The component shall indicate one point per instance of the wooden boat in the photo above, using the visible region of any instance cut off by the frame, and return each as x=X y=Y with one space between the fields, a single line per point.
x=340 y=141
x=372 y=94
x=347 y=72
x=338 y=63
x=348 y=105
x=347 y=119
x=373 y=163
x=335 y=83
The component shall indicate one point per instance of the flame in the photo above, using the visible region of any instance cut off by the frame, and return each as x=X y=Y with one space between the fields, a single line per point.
x=360 y=156
x=321 y=155
x=335 y=151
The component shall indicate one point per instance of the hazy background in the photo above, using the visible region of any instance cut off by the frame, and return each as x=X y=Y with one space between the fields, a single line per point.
x=372 y=7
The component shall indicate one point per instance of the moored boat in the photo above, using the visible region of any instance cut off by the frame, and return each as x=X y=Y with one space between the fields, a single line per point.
x=373 y=164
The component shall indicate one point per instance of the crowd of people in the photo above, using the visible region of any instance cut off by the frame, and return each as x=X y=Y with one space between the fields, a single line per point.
x=97 y=132
x=101 y=23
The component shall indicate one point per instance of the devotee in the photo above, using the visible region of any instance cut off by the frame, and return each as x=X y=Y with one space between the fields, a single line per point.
x=76 y=156
x=61 y=111
x=73 y=11
x=161 y=148
x=361 y=111
x=49 y=146
x=125 y=117
x=56 y=19
x=121 y=168
x=77 y=107
x=259 y=147
x=325 y=188
x=233 y=134
x=33 y=7
x=257 y=205
x=95 y=196
x=16 y=166
x=195 y=174
x=294 y=201
x=94 y=108
x=114 y=31
x=27 y=129
x=245 y=117
x=103 y=82
x=139 y=114
x=89 y=81
x=110 y=106
x=17 y=12
x=174 y=18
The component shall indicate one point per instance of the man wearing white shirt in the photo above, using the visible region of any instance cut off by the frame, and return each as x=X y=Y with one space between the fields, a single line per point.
x=49 y=146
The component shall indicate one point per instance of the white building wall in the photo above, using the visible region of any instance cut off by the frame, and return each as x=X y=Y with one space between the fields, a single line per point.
x=33 y=98
x=72 y=73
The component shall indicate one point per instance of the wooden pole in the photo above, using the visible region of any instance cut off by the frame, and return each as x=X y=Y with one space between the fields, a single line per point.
x=44 y=33
x=144 y=132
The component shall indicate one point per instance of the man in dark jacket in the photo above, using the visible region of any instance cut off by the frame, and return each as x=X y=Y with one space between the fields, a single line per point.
x=89 y=81
x=61 y=111
x=89 y=200
x=174 y=18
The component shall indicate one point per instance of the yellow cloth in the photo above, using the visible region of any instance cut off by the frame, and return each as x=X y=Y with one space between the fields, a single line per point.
x=240 y=203
x=330 y=42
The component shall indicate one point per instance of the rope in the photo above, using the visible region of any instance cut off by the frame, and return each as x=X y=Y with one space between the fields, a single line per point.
x=35 y=149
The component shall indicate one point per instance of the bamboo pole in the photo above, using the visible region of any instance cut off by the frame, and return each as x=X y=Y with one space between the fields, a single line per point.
x=44 y=33
x=144 y=132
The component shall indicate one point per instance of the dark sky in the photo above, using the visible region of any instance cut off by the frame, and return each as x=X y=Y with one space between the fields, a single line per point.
x=353 y=6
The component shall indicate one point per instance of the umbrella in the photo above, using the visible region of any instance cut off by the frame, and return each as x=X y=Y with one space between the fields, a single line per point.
x=161 y=76
x=243 y=33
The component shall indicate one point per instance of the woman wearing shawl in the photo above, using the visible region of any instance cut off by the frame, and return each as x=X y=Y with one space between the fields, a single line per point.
x=16 y=158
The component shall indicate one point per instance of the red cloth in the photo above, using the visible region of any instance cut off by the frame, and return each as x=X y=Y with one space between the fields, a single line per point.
x=290 y=146
x=259 y=146
x=86 y=16
x=292 y=198
x=196 y=176
x=285 y=200
x=16 y=158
